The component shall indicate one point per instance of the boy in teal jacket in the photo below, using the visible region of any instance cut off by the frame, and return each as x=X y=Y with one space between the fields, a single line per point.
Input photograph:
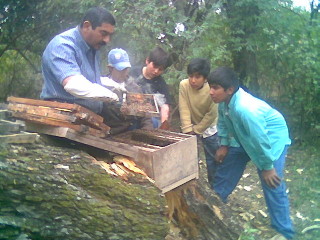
x=263 y=136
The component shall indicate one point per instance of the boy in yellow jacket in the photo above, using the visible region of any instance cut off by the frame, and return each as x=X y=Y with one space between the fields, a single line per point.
x=198 y=113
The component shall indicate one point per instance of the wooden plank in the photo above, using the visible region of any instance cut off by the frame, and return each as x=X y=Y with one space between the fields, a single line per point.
x=106 y=144
x=9 y=127
x=60 y=123
x=23 y=137
x=41 y=111
x=58 y=105
x=45 y=103
x=59 y=114
x=180 y=182
x=4 y=113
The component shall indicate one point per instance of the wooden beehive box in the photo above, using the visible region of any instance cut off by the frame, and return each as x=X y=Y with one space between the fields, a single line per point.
x=169 y=158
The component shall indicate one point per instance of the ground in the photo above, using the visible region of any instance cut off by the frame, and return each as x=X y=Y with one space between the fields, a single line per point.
x=303 y=190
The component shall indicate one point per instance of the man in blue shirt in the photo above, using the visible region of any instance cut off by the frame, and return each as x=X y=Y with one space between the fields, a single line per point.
x=70 y=62
x=249 y=128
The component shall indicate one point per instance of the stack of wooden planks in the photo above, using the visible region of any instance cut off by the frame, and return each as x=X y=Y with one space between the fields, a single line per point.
x=14 y=132
x=58 y=114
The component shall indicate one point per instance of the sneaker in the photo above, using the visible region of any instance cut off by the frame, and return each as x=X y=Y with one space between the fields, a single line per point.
x=278 y=237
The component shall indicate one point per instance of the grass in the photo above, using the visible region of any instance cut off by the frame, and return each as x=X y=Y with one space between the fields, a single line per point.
x=303 y=183
x=303 y=180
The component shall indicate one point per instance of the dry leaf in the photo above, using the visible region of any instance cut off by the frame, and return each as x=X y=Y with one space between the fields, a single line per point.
x=246 y=216
x=217 y=212
x=298 y=215
x=60 y=166
x=300 y=170
x=246 y=175
x=263 y=213
x=310 y=228
x=259 y=196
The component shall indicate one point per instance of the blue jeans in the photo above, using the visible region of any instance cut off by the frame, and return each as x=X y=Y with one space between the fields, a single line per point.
x=210 y=146
x=156 y=122
x=229 y=173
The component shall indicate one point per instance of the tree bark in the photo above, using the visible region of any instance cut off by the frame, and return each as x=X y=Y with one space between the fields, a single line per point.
x=57 y=192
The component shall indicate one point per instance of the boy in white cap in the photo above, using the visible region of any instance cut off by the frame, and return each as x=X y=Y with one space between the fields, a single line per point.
x=119 y=67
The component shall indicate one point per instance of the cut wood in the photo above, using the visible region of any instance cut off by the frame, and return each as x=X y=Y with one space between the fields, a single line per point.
x=23 y=137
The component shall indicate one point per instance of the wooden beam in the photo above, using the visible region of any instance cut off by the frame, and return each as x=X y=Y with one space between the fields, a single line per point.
x=23 y=137
x=9 y=127
x=58 y=105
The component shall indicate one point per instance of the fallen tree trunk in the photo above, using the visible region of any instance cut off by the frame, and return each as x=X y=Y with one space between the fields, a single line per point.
x=54 y=192
x=58 y=193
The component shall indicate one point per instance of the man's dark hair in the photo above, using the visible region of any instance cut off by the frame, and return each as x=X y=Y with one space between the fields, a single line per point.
x=225 y=77
x=98 y=15
x=199 y=65
x=160 y=58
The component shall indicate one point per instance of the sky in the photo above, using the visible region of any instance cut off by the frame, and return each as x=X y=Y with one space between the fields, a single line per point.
x=302 y=3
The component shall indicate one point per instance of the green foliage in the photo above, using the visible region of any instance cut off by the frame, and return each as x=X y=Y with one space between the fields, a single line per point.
x=273 y=46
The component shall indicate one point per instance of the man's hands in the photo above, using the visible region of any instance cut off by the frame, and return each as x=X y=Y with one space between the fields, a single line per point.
x=221 y=153
x=271 y=178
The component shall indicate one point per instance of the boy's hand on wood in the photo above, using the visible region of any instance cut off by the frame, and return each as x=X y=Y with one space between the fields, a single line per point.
x=271 y=178
x=221 y=154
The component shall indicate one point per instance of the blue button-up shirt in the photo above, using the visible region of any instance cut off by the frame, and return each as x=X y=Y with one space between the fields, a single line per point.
x=260 y=129
x=67 y=55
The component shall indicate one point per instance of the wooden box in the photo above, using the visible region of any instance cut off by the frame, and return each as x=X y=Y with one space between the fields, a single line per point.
x=169 y=158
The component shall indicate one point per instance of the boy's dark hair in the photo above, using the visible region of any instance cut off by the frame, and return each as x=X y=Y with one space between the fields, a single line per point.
x=160 y=58
x=225 y=77
x=98 y=15
x=199 y=65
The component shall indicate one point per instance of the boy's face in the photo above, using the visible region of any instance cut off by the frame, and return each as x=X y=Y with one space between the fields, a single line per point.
x=218 y=94
x=197 y=81
x=119 y=76
x=152 y=70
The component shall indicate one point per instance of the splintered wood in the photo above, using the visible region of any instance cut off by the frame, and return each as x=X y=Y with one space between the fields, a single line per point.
x=143 y=105
x=122 y=166
x=58 y=114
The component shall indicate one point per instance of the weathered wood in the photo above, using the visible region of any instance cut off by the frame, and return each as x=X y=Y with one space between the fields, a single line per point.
x=168 y=164
x=10 y=127
x=23 y=137
x=58 y=110
x=52 y=192
x=50 y=113
x=200 y=214
x=58 y=193
x=3 y=113
x=60 y=123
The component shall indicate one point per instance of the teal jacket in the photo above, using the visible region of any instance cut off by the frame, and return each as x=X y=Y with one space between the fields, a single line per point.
x=260 y=129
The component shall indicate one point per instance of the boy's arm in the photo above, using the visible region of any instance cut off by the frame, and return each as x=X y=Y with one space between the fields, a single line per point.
x=164 y=112
x=255 y=126
x=208 y=120
x=223 y=131
x=185 y=115
x=252 y=127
